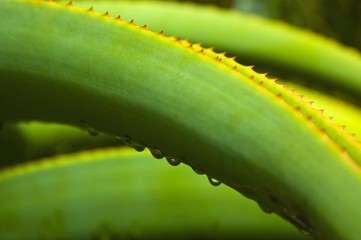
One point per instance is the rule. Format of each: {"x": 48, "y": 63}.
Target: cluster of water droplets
{"x": 158, "y": 154}
{"x": 139, "y": 146}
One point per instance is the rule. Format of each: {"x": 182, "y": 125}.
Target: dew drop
{"x": 214, "y": 181}
{"x": 139, "y": 147}
{"x": 156, "y": 153}
{"x": 172, "y": 161}
{"x": 198, "y": 170}
{"x": 131, "y": 143}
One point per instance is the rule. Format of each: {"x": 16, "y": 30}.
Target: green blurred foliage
{"x": 338, "y": 19}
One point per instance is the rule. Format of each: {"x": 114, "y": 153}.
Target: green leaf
{"x": 63, "y": 64}
{"x": 116, "y": 193}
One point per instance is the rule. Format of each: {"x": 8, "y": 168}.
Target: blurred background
{"x": 338, "y": 19}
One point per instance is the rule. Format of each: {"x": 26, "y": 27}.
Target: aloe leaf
{"x": 119, "y": 194}
{"x": 343, "y": 113}
{"x": 251, "y": 38}
{"x": 63, "y": 64}
{"x": 29, "y": 141}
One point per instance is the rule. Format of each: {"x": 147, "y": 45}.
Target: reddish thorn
{"x": 342, "y": 127}
{"x": 132, "y": 22}
{"x": 273, "y": 79}
{"x": 343, "y": 150}
{"x": 118, "y": 18}
{"x": 353, "y": 136}
{"x": 251, "y": 67}
{"x": 198, "y": 45}
{"x": 91, "y": 9}
{"x": 70, "y": 4}
{"x": 185, "y": 41}
{"x": 321, "y": 111}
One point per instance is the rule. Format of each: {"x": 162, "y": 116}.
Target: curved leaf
{"x": 60, "y": 63}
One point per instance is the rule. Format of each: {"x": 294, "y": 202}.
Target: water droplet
{"x": 131, "y": 143}
{"x": 173, "y": 161}
{"x": 156, "y": 153}
{"x": 213, "y": 181}
{"x": 92, "y": 132}
{"x": 139, "y": 147}
{"x": 198, "y": 170}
